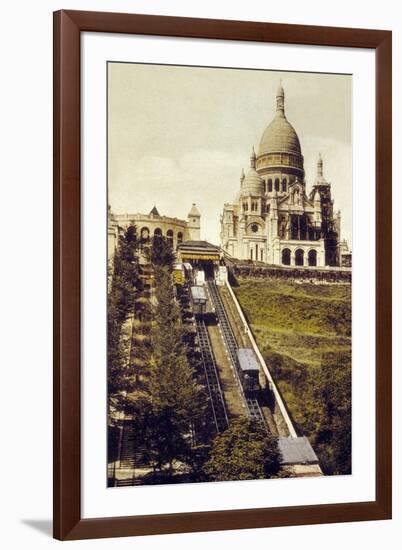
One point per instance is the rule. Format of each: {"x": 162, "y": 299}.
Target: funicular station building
{"x": 175, "y": 230}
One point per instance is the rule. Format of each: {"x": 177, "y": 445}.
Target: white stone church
{"x": 273, "y": 219}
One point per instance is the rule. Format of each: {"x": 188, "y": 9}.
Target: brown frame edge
{"x": 68, "y": 25}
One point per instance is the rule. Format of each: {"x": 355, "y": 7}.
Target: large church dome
{"x": 279, "y": 136}
{"x": 280, "y": 150}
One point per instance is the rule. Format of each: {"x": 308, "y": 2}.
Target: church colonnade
{"x": 300, "y": 256}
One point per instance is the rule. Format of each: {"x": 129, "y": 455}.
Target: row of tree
{"x": 170, "y": 413}
{"x": 177, "y": 401}
{"x": 125, "y": 284}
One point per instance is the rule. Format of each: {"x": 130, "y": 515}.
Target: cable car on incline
{"x": 249, "y": 370}
{"x": 199, "y": 300}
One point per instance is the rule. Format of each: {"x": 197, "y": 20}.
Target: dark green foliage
{"x": 161, "y": 253}
{"x": 124, "y": 285}
{"x": 148, "y": 371}
{"x": 166, "y": 439}
{"x": 243, "y": 452}
{"x": 177, "y": 401}
{"x": 303, "y": 331}
{"x": 125, "y": 279}
{"x": 332, "y": 392}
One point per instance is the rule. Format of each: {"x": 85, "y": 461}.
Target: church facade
{"x": 274, "y": 219}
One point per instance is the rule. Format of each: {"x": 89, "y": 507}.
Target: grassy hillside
{"x": 304, "y": 333}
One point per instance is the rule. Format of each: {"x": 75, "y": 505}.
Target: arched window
{"x": 277, "y": 184}
{"x": 284, "y": 185}
{"x": 299, "y": 257}
{"x": 169, "y": 236}
{"x": 144, "y": 234}
{"x": 158, "y": 232}
{"x": 312, "y": 258}
{"x": 286, "y": 256}
{"x": 269, "y": 186}
{"x": 179, "y": 237}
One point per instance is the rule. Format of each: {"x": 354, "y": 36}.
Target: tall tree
{"x": 161, "y": 253}
{"x": 125, "y": 279}
{"x": 177, "y": 400}
{"x": 123, "y": 290}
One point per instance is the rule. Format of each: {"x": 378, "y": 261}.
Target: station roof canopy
{"x": 247, "y": 359}
{"x": 199, "y": 250}
{"x": 297, "y": 450}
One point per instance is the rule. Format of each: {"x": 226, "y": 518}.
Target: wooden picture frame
{"x": 68, "y": 25}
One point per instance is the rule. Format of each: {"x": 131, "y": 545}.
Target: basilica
{"x": 274, "y": 219}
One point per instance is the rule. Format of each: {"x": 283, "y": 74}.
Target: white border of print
{"x": 99, "y": 501}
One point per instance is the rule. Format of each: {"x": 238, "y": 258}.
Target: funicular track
{"x": 253, "y": 406}
{"x": 211, "y": 374}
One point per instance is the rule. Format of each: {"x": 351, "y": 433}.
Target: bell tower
{"x": 194, "y": 223}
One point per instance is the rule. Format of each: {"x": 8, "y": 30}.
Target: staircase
{"x": 132, "y": 456}
{"x": 130, "y": 482}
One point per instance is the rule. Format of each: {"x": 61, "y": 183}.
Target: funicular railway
{"x": 205, "y": 261}
{"x": 196, "y": 296}
{"x": 253, "y": 406}
{"x": 230, "y": 361}
{"x": 228, "y": 337}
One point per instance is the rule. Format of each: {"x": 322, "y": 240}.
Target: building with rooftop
{"x": 274, "y": 218}
{"x": 153, "y": 224}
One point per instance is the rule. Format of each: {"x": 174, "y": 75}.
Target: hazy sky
{"x": 179, "y": 135}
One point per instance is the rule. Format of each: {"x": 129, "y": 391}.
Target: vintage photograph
{"x": 229, "y": 249}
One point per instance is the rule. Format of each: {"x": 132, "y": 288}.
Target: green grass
{"x": 304, "y": 333}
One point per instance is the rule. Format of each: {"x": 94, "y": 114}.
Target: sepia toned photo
{"x": 229, "y": 221}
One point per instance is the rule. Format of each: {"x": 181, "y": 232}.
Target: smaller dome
{"x": 253, "y": 184}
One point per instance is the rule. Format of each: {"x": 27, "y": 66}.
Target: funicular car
{"x": 249, "y": 370}
{"x": 198, "y": 300}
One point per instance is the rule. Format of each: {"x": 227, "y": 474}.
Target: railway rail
{"x": 253, "y": 405}
{"x": 211, "y": 375}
